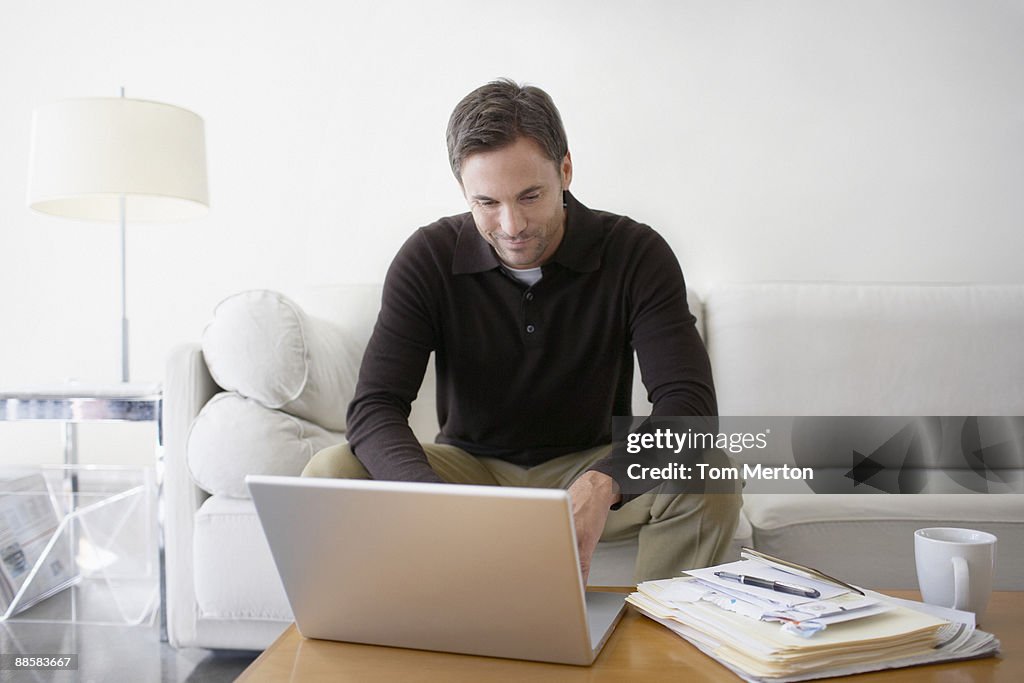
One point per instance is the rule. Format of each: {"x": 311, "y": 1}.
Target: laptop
{"x": 482, "y": 570}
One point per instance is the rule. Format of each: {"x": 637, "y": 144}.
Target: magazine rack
{"x": 79, "y": 543}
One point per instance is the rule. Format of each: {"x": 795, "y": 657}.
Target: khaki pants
{"x": 675, "y": 531}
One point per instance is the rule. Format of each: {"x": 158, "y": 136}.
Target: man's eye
{"x": 486, "y": 202}
{"x": 531, "y": 197}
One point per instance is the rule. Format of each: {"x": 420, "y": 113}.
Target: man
{"x": 533, "y": 305}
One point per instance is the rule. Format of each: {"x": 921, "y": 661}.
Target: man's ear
{"x": 566, "y": 170}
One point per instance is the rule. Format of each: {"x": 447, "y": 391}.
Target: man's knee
{"x": 724, "y": 506}
{"x": 335, "y": 462}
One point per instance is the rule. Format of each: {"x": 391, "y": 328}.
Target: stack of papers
{"x": 763, "y": 634}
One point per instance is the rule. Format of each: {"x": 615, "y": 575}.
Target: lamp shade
{"x": 88, "y": 153}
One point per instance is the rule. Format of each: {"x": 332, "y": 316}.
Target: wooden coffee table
{"x": 639, "y": 649}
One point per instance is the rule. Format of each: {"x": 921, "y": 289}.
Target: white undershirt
{"x": 528, "y": 276}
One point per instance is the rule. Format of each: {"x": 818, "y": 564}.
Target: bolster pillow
{"x": 262, "y": 345}
{"x": 234, "y": 436}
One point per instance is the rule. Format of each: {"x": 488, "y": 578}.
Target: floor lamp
{"x": 115, "y": 159}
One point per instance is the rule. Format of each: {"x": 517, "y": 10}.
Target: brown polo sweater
{"x": 526, "y": 374}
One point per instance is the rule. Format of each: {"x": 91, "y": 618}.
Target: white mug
{"x": 955, "y": 567}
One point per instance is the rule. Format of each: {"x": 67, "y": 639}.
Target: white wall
{"x": 868, "y": 140}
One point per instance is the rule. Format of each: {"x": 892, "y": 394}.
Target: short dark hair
{"x": 497, "y": 114}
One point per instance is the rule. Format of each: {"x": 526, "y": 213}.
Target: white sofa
{"x": 776, "y": 349}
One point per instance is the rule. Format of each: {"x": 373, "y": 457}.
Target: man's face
{"x": 515, "y": 194}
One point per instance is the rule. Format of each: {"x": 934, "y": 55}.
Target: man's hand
{"x": 592, "y": 495}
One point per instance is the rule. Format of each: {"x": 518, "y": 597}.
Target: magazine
{"x": 35, "y": 557}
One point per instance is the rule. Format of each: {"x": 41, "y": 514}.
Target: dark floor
{"x": 124, "y": 654}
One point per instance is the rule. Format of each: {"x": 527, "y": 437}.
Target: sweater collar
{"x": 580, "y": 249}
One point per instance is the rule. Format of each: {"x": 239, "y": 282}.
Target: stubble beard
{"x": 521, "y": 259}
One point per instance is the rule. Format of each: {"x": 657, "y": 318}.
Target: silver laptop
{"x": 483, "y": 570}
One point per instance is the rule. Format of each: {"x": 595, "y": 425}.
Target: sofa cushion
{"x": 866, "y": 349}
{"x": 262, "y": 345}
{"x": 235, "y": 575}
{"x": 234, "y": 436}
{"x": 869, "y": 539}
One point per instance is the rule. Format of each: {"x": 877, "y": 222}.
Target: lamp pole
{"x": 124, "y": 286}
{"x": 124, "y": 299}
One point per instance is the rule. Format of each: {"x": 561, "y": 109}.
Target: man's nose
{"x": 513, "y": 221}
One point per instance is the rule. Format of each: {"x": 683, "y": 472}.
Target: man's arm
{"x": 673, "y": 362}
{"x": 392, "y": 371}
{"x": 676, "y": 371}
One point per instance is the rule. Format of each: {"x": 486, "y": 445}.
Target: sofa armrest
{"x": 187, "y": 387}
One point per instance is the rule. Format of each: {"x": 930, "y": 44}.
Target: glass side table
{"x": 73, "y": 403}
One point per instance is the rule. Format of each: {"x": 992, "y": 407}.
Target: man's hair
{"x": 497, "y": 114}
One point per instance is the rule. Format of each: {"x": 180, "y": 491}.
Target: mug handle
{"x": 961, "y": 584}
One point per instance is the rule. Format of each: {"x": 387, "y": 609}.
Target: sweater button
{"x": 530, "y": 329}
{"x": 529, "y": 296}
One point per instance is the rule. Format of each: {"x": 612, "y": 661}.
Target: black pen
{"x": 770, "y": 585}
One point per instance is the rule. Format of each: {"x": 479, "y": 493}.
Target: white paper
{"x": 946, "y": 613}
{"x": 761, "y": 571}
